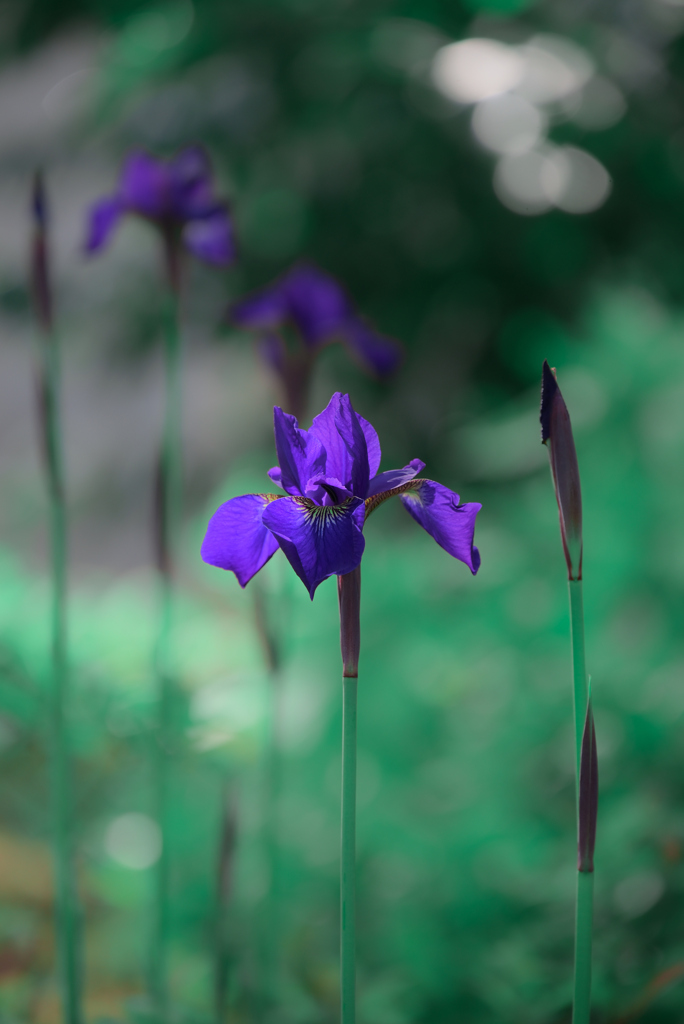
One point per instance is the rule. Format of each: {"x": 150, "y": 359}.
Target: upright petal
{"x": 211, "y": 238}
{"x": 351, "y": 432}
{"x": 316, "y": 303}
{"x": 394, "y": 477}
{"x": 236, "y": 538}
{"x": 145, "y": 186}
{"x": 318, "y": 540}
{"x": 351, "y": 443}
{"x": 378, "y": 353}
{"x": 103, "y": 218}
{"x": 190, "y": 179}
{"x": 301, "y": 455}
{"x": 437, "y": 510}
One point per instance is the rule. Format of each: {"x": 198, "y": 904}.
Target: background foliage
{"x": 332, "y": 143}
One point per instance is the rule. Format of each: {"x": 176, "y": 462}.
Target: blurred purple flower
{"x": 330, "y": 476}
{"x": 176, "y": 195}
{"x": 321, "y": 312}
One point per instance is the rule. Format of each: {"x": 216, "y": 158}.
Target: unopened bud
{"x": 557, "y": 436}
{"x": 588, "y": 795}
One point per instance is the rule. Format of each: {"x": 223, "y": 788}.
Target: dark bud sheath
{"x": 40, "y": 275}
{"x": 588, "y": 795}
{"x": 349, "y": 594}
{"x": 557, "y": 436}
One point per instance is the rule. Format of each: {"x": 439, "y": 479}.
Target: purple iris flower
{"x": 321, "y": 312}
{"x": 177, "y": 195}
{"x": 330, "y": 476}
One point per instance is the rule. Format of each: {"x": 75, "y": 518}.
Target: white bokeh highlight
{"x": 508, "y": 124}
{"x": 476, "y": 69}
{"x": 133, "y": 841}
{"x": 516, "y": 92}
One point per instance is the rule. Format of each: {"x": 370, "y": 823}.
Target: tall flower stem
{"x": 66, "y": 895}
{"x": 585, "y": 878}
{"x": 167, "y": 515}
{"x": 349, "y": 593}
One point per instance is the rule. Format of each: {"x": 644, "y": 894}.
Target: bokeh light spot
{"x": 134, "y": 841}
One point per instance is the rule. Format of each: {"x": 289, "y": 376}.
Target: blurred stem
{"x": 581, "y": 1011}
{"x": 271, "y": 920}
{"x": 585, "y": 880}
{"x": 66, "y": 888}
{"x": 167, "y": 521}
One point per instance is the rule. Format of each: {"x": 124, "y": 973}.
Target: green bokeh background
{"x": 331, "y": 143}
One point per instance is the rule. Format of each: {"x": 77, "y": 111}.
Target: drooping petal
{"x": 190, "y": 179}
{"x": 393, "y": 477}
{"x": 211, "y": 238}
{"x": 378, "y": 353}
{"x": 319, "y": 541}
{"x": 301, "y": 455}
{"x": 350, "y": 443}
{"x": 145, "y": 186}
{"x": 236, "y": 538}
{"x": 317, "y": 303}
{"x": 104, "y": 216}
{"x": 437, "y": 510}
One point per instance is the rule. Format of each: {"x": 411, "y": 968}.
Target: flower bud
{"x": 557, "y": 436}
{"x": 588, "y": 795}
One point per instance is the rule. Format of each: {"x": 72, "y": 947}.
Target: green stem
{"x": 348, "y": 871}
{"x": 271, "y": 919}
{"x": 581, "y": 1011}
{"x": 66, "y": 890}
{"x": 585, "y": 880}
{"x": 168, "y": 514}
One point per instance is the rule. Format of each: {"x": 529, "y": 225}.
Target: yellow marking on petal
{"x": 410, "y": 489}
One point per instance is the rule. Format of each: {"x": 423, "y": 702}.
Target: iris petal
{"x": 104, "y": 216}
{"x": 236, "y": 538}
{"x": 437, "y": 510}
{"x": 211, "y": 238}
{"x": 316, "y": 303}
{"x": 145, "y": 186}
{"x": 301, "y": 455}
{"x": 394, "y": 477}
{"x": 190, "y": 181}
{"x": 264, "y": 310}
{"x": 319, "y": 541}
{"x": 351, "y": 444}
{"x": 378, "y": 353}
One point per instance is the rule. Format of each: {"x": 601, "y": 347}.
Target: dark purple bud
{"x": 349, "y": 594}
{"x": 40, "y": 276}
{"x": 588, "y": 795}
{"x": 557, "y": 436}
